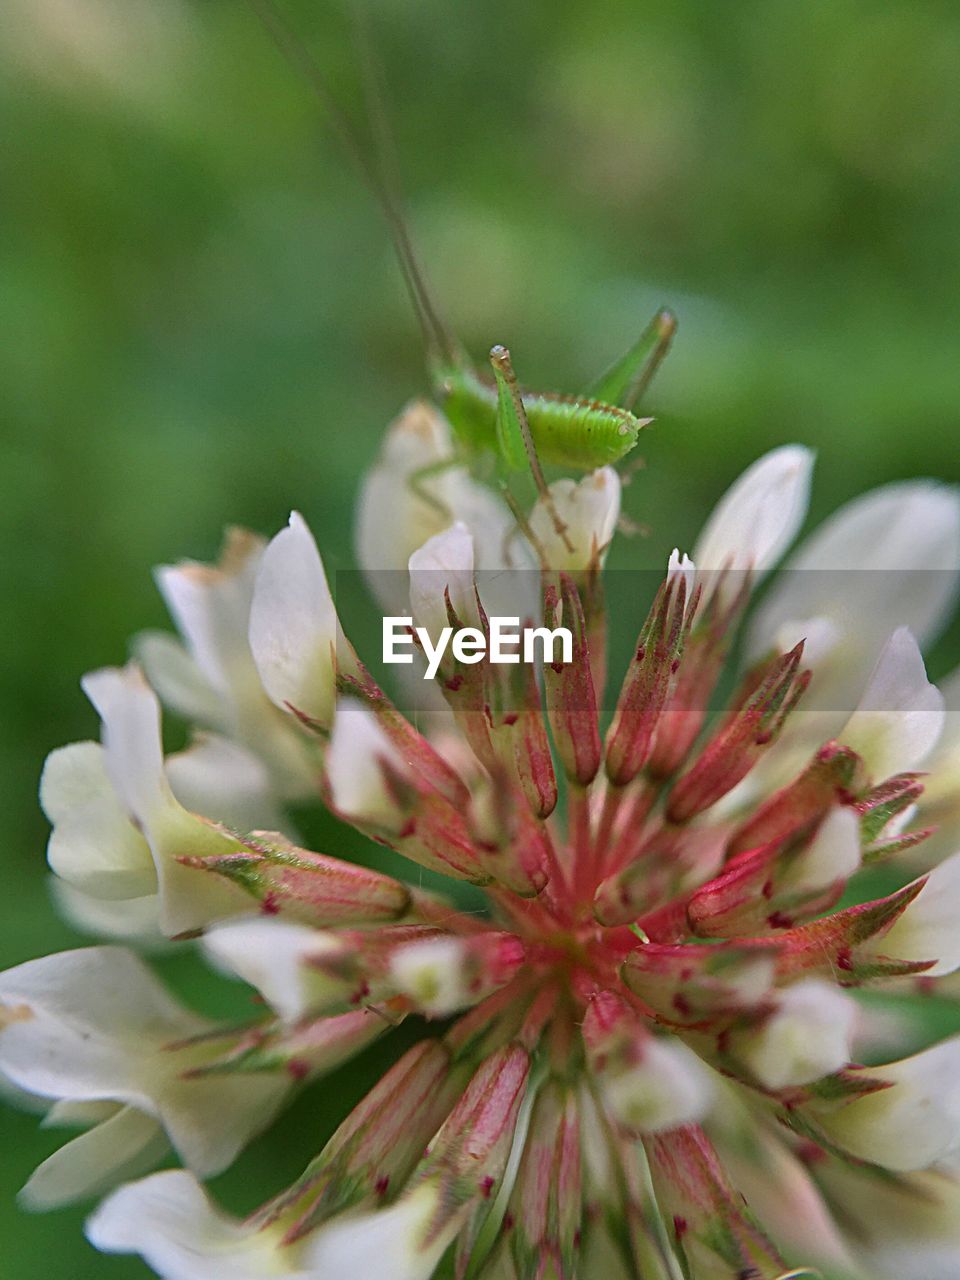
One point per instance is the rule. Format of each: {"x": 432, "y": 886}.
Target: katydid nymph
{"x": 493, "y": 417}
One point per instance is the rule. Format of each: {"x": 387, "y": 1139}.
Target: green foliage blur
{"x": 203, "y": 323}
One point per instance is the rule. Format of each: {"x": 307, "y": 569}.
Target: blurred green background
{"x": 202, "y": 322}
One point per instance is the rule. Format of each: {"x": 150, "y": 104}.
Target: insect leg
{"x": 515, "y": 437}
{"x": 417, "y": 478}
{"x": 522, "y": 526}
{"x": 626, "y": 381}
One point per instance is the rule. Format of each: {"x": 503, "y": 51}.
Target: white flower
{"x": 274, "y": 956}
{"x": 667, "y": 1087}
{"x": 929, "y": 929}
{"x": 294, "y": 632}
{"x": 169, "y": 1220}
{"x": 395, "y": 518}
{"x": 359, "y": 755}
{"x": 807, "y": 1036}
{"x": 759, "y": 515}
{"x": 589, "y": 508}
{"x": 889, "y": 557}
{"x": 95, "y": 1027}
{"x": 214, "y": 777}
{"x": 910, "y": 1125}
{"x": 444, "y": 567}
{"x": 210, "y": 679}
{"x": 171, "y": 1223}
{"x": 119, "y": 831}
{"x": 900, "y": 715}
{"x": 832, "y": 855}
{"x": 433, "y": 974}
{"x": 939, "y": 805}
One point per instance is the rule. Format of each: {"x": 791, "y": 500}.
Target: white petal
{"x": 224, "y": 782}
{"x": 126, "y": 1145}
{"x": 683, "y": 567}
{"x": 670, "y": 1086}
{"x": 444, "y": 564}
{"x": 189, "y": 898}
{"x": 432, "y": 974}
{"x": 590, "y": 509}
{"x": 833, "y": 854}
{"x": 274, "y": 956}
{"x": 93, "y": 845}
{"x": 358, "y": 748}
{"x": 179, "y": 682}
{"x": 192, "y": 899}
{"x": 912, "y": 1124}
{"x": 211, "y": 606}
{"x": 900, "y": 716}
{"x": 210, "y": 1119}
{"x": 397, "y": 1243}
{"x": 759, "y": 515}
{"x": 394, "y": 520}
{"x": 171, "y": 1223}
{"x": 95, "y": 1025}
{"x": 929, "y": 929}
{"x": 293, "y": 624}
{"x": 807, "y": 1037}
{"x": 135, "y": 920}
{"x": 889, "y": 557}
{"x": 83, "y": 1021}
{"x": 130, "y": 714}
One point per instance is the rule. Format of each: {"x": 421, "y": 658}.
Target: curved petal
{"x": 901, "y": 715}
{"x": 913, "y": 1123}
{"x": 169, "y": 1220}
{"x": 589, "y": 508}
{"x": 211, "y": 606}
{"x": 274, "y": 957}
{"x": 759, "y": 515}
{"x": 126, "y": 1145}
{"x": 889, "y": 557}
{"x": 94, "y": 845}
{"x": 293, "y": 624}
{"x": 179, "y": 682}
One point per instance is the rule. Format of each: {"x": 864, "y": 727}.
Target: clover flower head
{"x": 641, "y": 1056}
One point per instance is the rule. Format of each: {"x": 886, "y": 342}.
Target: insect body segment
{"x": 579, "y": 434}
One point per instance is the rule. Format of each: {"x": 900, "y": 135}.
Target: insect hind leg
{"x": 626, "y": 382}
{"x": 515, "y": 438}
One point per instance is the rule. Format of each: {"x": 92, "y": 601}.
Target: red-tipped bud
{"x": 545, "y": 1207}
{"x": 306, "y": 1049}
{"x": 647, "y": 684}
{"x": 688, "y": 985}
{"x": 711, "y": 1231}
{"x": 833, "y": 775}
{"x": 778, "y": 884}
{"x": 714, "y": 622}
{"x": 738, "y": 745}
{"x": 570, "y": 696}
{"x": 306, "y": 886}
{"x": 376, "y": 1147}
{"x": 470, "y": 1152}
{"x": 508, "y": 839}
{"x": 847, "y": 946}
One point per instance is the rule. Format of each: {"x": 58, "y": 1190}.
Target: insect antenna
{"x": 379, "y": 177}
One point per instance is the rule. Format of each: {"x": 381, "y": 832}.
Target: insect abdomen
{"x": 579, "y": 433}
{"x": 567, "y": 432}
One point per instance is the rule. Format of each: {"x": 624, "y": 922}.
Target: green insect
{"x": 491, "y": 415}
